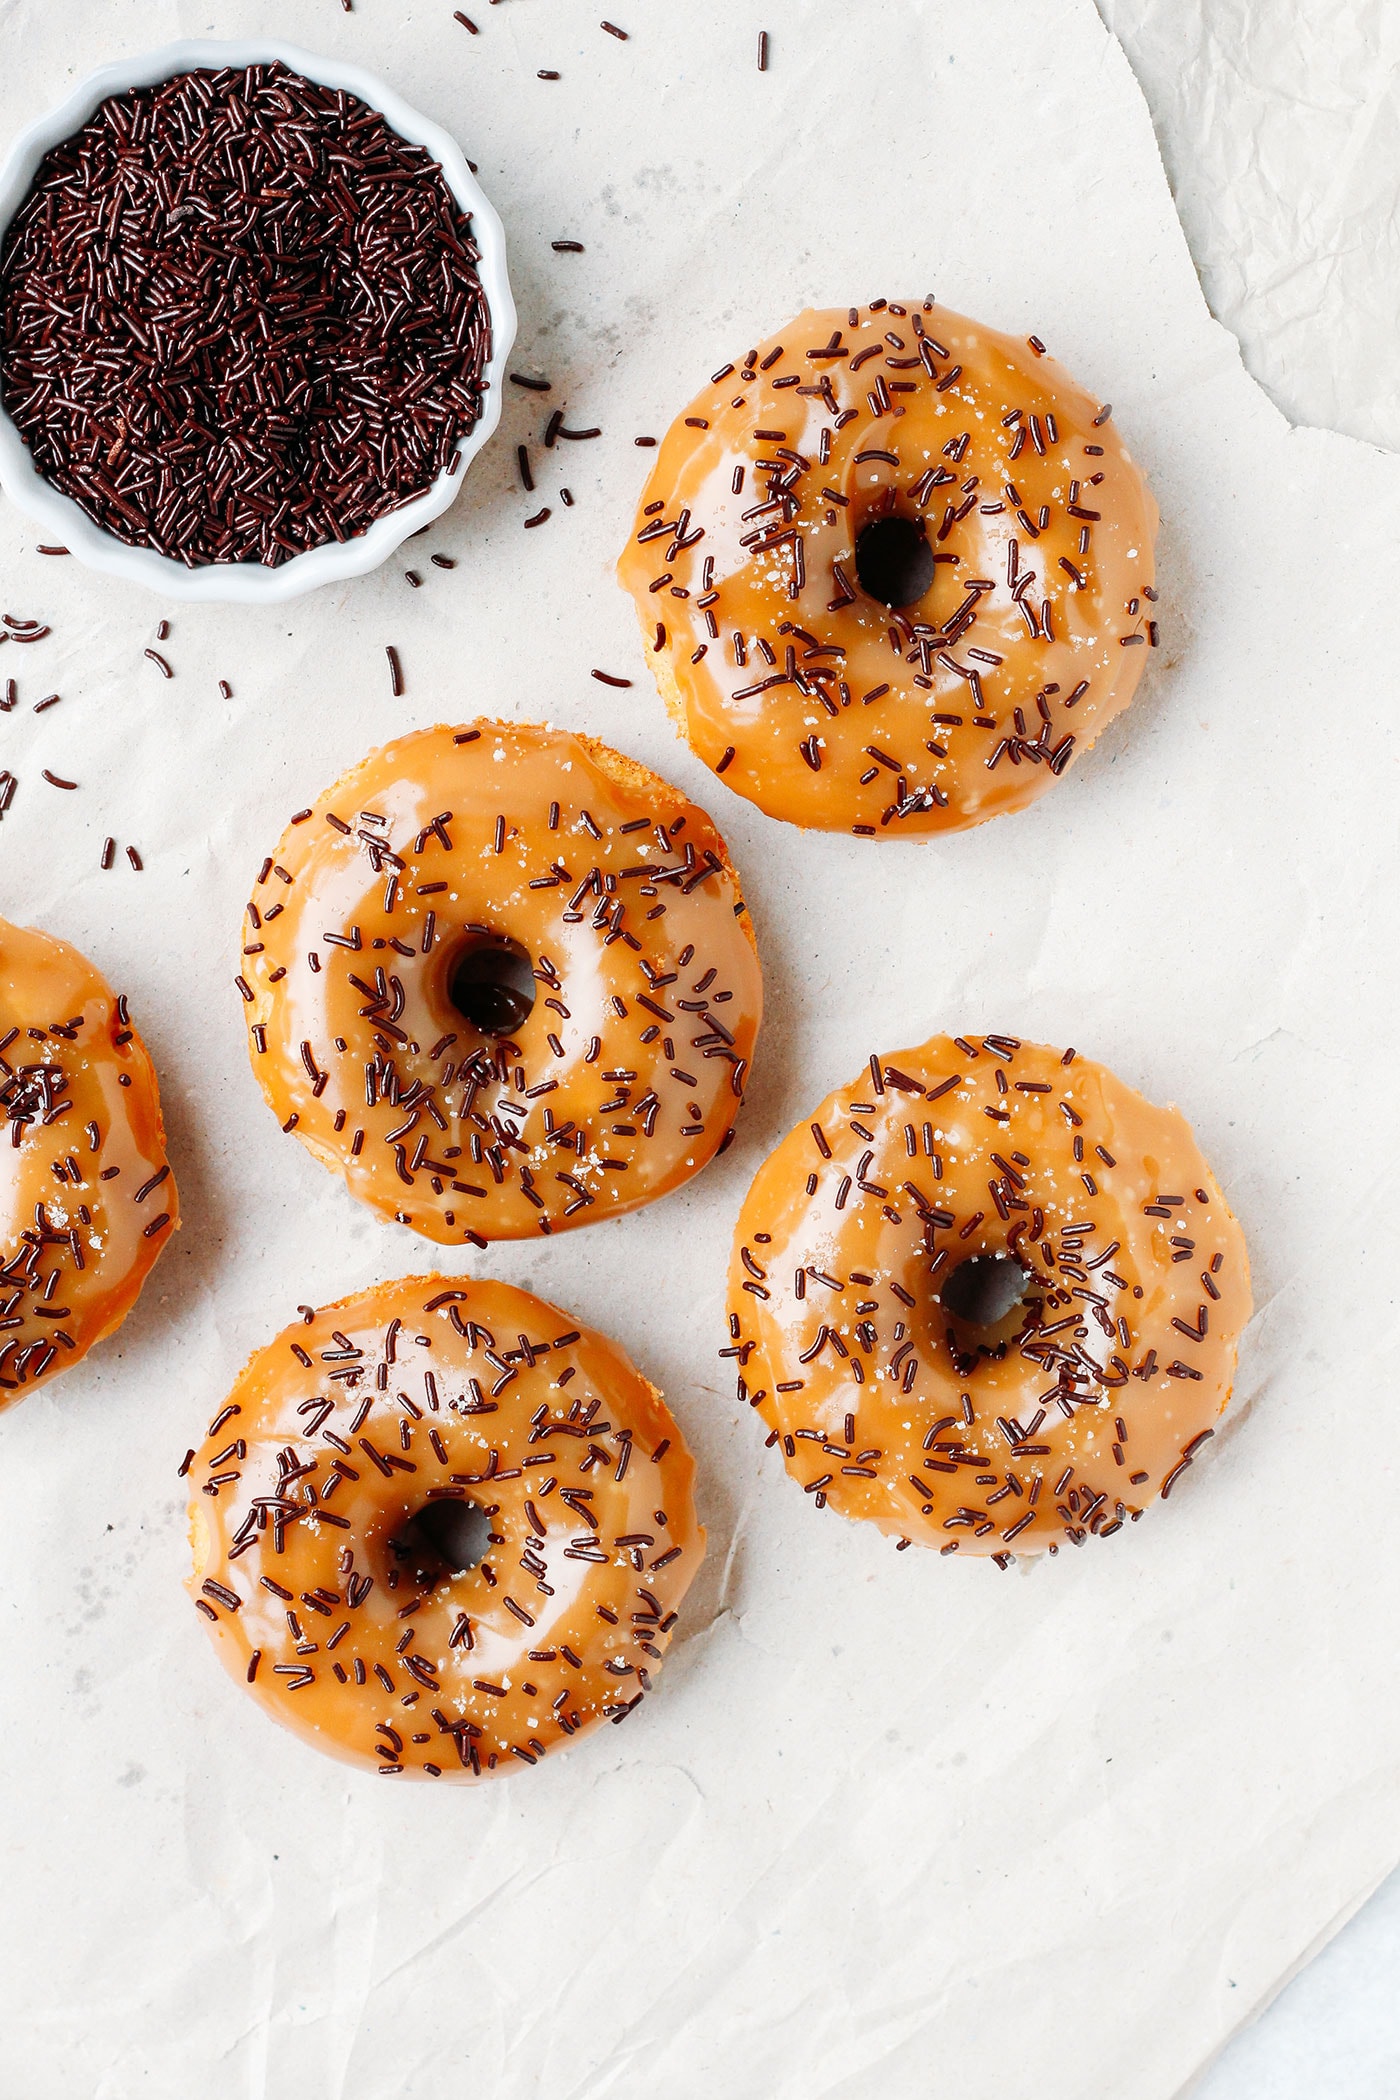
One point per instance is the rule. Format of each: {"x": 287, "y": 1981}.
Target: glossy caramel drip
{"x": 626, "y": 1075}
{"x": 807, "y": 694}
{"x": 1063, "y": 1418}
{"x": 418, "y": 1394}
{"x": 88, "y": 1198}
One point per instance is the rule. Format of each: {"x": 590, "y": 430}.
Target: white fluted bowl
{"x": 253, "y": 583}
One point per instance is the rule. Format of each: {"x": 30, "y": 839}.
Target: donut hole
{"x": 491, "y": 983}
{"x": 894, "y": 561}
{"x": 984, "y": 1300}
{"x": 446, "y": 1537}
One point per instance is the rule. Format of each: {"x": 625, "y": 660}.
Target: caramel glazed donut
{"x": 89, "y": 1198}
{"x": 501, "y": 978}
{"x": 988, "y": 1298}
{"x": 338, "y": 1565}
{"x": 895, "y": 573}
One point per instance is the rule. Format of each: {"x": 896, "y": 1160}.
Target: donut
{"x": 895, "y": 573}
{"x": 438, "y": 1529}
{"x": 987, "y": 1298}
{"x": 90, "y": 1200}
{"x": 502, "y": 979}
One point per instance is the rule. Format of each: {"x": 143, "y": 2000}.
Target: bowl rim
{"x": 334, "y": 560}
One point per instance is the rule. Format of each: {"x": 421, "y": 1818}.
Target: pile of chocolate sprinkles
{"x": 240, "y": 317}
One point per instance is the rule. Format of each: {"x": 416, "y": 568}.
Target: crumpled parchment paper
{"x": 1280, "y": 127}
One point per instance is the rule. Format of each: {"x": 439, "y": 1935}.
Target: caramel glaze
{"x": 627, "y": 1075}
{"x": 826, "y": 707}
{"x": 89, "y": 1200}
{"x": 366, "y": 1643}
{"x": 1065, "y": 1418}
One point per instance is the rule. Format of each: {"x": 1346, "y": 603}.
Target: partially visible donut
{"x": 503, "y": 980}
{"x": 894, "y": 574}
{"x": 335, "y": 1561}
{"x": 988, "y": 1298}
{"x": 88, "y": 1197}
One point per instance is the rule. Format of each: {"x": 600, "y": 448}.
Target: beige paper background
{"x": 892, "y": 1826}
